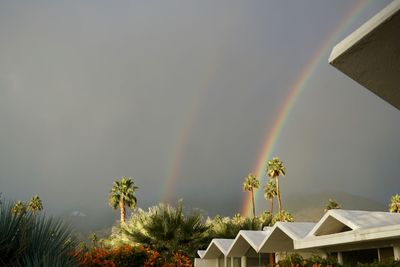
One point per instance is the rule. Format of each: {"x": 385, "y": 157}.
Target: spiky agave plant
{"x": 27, "y": 240}
{"x": 12, "y": 234}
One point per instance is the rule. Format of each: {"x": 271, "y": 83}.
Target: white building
{"x": 350, "y": 235}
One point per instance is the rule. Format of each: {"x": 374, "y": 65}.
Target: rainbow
{"x": 179, "y": 153}
{"x": 320, "y": 57}
{"x": 174, "y": 169}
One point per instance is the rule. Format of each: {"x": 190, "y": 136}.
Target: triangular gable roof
{"x": 246, "y": 239}
{"x": 217, "y": 247}
{"x": 282, "y": 235}
{"x": 201, "y": 253}
{"x": 338, "y": 220}
{"x": 296, "y": 230}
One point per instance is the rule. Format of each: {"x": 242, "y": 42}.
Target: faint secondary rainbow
{"x": 168, "y": 190}
{"x": 179, "y": 152}
{"x": 301, "y": 83}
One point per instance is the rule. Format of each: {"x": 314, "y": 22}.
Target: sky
{"x": 181, "y": 96}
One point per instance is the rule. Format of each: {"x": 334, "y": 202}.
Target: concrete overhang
{"x": 371, "y": 54}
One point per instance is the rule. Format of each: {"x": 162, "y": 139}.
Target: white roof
{"x": 246, "y": 239}
{"x": 336, "y": 219}
{"x": 201, "y": 253}
{"x": 381, "y": 233}
{"x": 217, "y": 247}
{"x": 282, "y": 235}
{"x": 295, "y": 230}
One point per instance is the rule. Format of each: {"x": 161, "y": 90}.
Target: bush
{"x": 126, "y": 255}
{"x": 163, "y": 228}
{"x": 121, "y": 256}
{"x": 296, "y": 260}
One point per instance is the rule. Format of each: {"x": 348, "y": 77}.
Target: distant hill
{"x": 310, "y": 207}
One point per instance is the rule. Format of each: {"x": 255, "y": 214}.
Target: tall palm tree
{"x": 275, "y": 169}
{"x": 19, "y": 208}
{"x": 123, "y": 194}
{"x": 250, "y": 183}
{"x": 394, "y": 205}
{"x": 332, "y": 204}
{"x": 270, "y": 193}
{"x": 35, "y": 204}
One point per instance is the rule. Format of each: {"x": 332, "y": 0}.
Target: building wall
{"x": 206, "y": 263}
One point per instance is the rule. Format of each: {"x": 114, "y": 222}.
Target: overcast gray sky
{"x": 94, "y": 90}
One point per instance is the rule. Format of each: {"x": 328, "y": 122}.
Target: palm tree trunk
{"x": 122, "y": 208}
{"x": 278, "y": 193}
{"x": 254, "y": 206}
{"x": 272, "y": 205}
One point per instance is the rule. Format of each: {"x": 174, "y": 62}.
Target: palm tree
{"x": 35, "y": 204}
{"x": 19, "y": 208}
{"x": 394, "y": 205}
{"x": 332, "y": 204}
{"x": 250, "y": 183}
{"x": 270, "y": 193}
{"x": 275, "y": 168}
{"x": 123, "y": 193}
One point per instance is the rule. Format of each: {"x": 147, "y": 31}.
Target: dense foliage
{"x": 296, "y": 260}
{"x": 126, "y": 256}
{"x": 394, "y": 205}
{"x": 226, "y": 227}
{"x": 163, "y": 228}
{"x": 283, "y": 216}
{"x": 33, "y": 240}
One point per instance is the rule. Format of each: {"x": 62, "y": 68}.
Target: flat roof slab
{"x": 371, "y": 54}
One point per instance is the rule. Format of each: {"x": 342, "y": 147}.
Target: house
{"x": 350, "y": 235}
{"x": 215, "y": 255}
{"x": 355, "y": 236}
{"x": 245, "y": 248}
{"x": 282, "y": 236}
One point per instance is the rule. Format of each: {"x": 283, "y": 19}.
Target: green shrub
{"x": 298, "y": 260}
{"x": 163, "y": 228}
